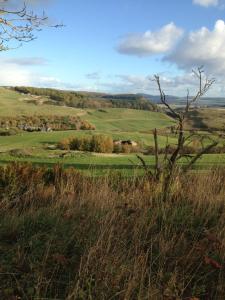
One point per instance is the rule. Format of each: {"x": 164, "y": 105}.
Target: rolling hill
{"x": 119, "y": 123}
{"x": 89, "y": 100}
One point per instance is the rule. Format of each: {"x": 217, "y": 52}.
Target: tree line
{"x": 56, "y": 123}
{"x": 98, "y": 143}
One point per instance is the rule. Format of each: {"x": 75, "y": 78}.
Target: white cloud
{"x": 206, "y": 3}
{"x": 12, "y": 75}
{"x": 25, "y": 61}
{"x": 202, "y": 47}
{"x": 125, "y": 83}
{"x": 172, "y": 85}
{"x": 16, "y": 72}
{"x": 150, "y": 43}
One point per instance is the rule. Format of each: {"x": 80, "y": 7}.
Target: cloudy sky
{"x": 116, "y": 46}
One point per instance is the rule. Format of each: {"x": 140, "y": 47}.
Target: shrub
{"x": 11, "y": 131}
{"x": 53, "y": 121}
{"x": 97, "y": 143}
{"x": 74, "y": 144}
{"x": 86, "y": 126}
{"x": 101, "y": 144}
{"x": 117, "y": 148}
{"x": 64, "y": 144}
{"x": 126, "y": 148}
{"x": 85, "y": 144}
{"x": 20, "y": 152}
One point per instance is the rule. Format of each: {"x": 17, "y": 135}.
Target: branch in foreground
{"x": 19, "y": 26}
{"x": 199, "y": 155}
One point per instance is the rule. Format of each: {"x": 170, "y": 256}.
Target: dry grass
{"x": 67, "y": 236}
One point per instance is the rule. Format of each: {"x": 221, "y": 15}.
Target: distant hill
{"x": 156, "y": 99}
{"x": 205, "y": 101}
{"x": 90, "y": 100}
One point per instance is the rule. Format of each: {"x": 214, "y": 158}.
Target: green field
{"x": 120, "y": 119}
{"x": 40, "y": 140}
{"x": 126, "y": 164}
{"x": 120, "y": 123}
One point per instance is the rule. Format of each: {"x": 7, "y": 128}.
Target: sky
{"x": 117, "y": 46}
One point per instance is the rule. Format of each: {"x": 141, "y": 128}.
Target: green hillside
{"x": 121, "y": 119}
{"x": 110, "y": 119}
{"x": 90, "y": 100}
{"x": 13, "y": 104}
{"x": 118, "y": 123}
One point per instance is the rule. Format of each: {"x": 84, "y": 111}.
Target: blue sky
{"x": 115, "y": 46}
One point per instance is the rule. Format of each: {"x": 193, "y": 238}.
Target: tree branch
{"x": 19, "y": 26}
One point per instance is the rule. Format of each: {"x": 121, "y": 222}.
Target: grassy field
{"x": 41, "y": 140}
{"x": 100, "y": 164}
{"x": 14, "y": 104}
{"x": 119, "y": 119}
{"x": 207, "y": 118}
{"x": 119, "y": 123}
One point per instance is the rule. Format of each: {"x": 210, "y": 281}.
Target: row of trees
{"x": 55, "y": 122}
{"x": 96, "y": 143}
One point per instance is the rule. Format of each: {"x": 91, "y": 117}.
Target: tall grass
{"x": 67, "y": 236}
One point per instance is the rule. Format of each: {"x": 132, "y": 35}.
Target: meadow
{"x": 94, "y": 164}
{"x": 119, "y": 123}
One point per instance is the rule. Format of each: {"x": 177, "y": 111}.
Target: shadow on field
{"x": 197, "y": 120}
{"x": 115, "y": 167}
{"x": 79, "y": 165}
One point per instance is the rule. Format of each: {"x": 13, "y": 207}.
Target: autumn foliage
{"x": 96, "y": 143}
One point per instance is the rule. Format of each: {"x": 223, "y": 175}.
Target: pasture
{"x": 103, "y": 164}
{"x": 119, "y": 123}
{"x": 15, "y": 104}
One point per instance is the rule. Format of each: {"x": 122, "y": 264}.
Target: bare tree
{"x": 19, "y": 26}
{"x": 204, "y": 84}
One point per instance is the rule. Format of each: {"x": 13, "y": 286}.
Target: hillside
{"x": 89, "y": 100}
{"x": 15, "y": 104}
{"x": 107, "y": 118}
{"x": 207, "y": 119}
{"x": 120, "y": 119}
{"x": 118, "y": 123}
